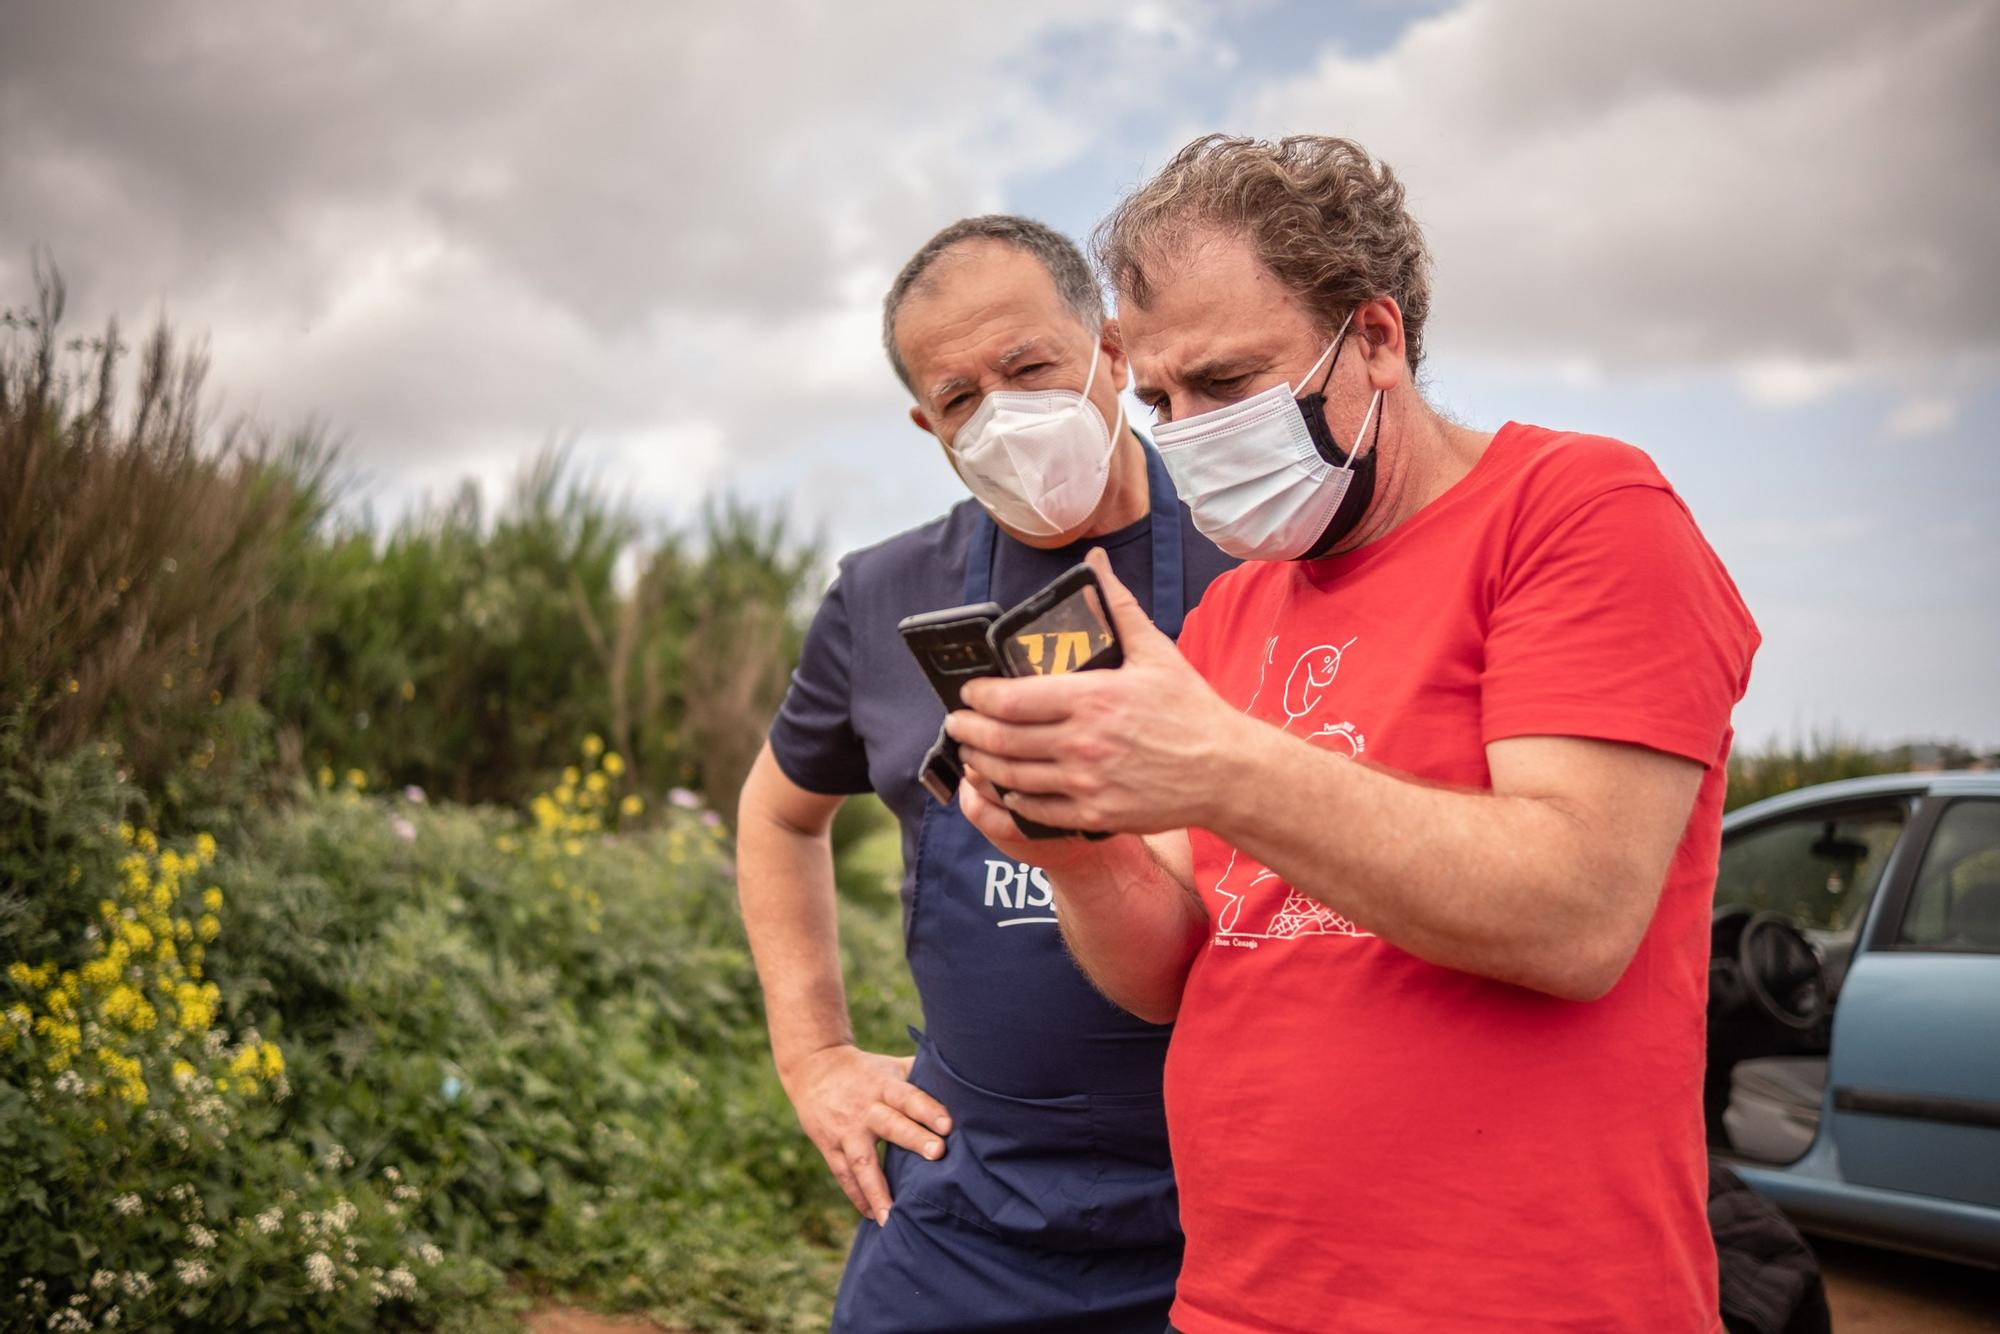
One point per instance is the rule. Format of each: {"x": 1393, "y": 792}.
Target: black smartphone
{"x": 1066, "y": 627}
{"x": 952, "y": 647}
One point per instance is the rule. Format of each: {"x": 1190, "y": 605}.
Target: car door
{"x": 1915, "y": 1068}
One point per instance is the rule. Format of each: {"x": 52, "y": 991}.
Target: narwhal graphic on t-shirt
{"x": 1307, "y": 714}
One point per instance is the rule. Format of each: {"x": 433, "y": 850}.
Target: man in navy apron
{"x": 1026, "y": 1184}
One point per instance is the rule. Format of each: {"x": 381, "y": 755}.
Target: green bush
{"x": 200, "y": 597}
{"x": 534, "y": 1044}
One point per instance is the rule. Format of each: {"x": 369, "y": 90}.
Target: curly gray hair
{"x": 1324, "y": 217}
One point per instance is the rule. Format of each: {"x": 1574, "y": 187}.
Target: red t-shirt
{"x": 1369, "y": 1142}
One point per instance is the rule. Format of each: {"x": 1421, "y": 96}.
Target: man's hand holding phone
{"x": 1136, "y": 750}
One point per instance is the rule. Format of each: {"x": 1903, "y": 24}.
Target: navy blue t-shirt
{"x": 859, "y": 714}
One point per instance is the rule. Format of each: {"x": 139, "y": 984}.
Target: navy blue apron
{"x": 1053, "y": 1208}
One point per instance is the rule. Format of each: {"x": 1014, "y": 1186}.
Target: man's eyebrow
{"x": 1226, "y": 367}
{"x": 1218, "y": 368}
{"x": 1026, "y": 348}
{"x": 945, "y": 388}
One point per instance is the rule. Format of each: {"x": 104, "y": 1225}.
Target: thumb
{"x": 1136, "y": 631}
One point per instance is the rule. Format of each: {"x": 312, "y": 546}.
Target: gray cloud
{"x": 456, "y": 230}
{"x": 1792, "y": 187}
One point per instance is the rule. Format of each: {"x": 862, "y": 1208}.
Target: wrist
{"x": 793, "y": 1064}
{"x": 1232, "y": 767}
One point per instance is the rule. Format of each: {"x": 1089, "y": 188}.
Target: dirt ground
{"x": 550, "y": 1318}
{"x": 1881, "y": 1292}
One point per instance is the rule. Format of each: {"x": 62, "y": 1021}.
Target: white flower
{"x": 430, "y": 1254}
{"x": 127, "y": 1204}
{"x": 191, "y": 1272}
{"x": 270, "y": 1220}
{"x": 102, "y": 1280}
{"x": 201, "y": 1237}
{"x": 70, "y": 1082}
{"x": 391, "y": 1173}
{"x": 319, "y": 1271}
{"x": 137, "y": 1284}
{"x": 335, "y": 1158}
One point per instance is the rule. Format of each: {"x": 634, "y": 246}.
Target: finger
{"x": 980, "y": 805}
{"x": 919, "y": 1106}
{"x": 889, "y": 1124}
{"x": 836, "y": 1163}
{"x": 1059, "y": 811}
{"x": 1020, "y": 775}
{"x": 1136, "y": 631}
{"x": 868, "y": 1176}
{"x": 1022, "y": 699}
{"x": 1024, "y": 741}
{"x": 908, "y": 1063}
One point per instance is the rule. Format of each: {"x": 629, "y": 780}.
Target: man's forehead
{"x": 1210, "y": 300}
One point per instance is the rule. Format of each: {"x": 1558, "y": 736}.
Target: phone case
{"x": 952, "y": 648}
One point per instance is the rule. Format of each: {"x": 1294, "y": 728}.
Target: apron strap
{"x": 1169, "y": 600}
{"x": 1169, "y": 603}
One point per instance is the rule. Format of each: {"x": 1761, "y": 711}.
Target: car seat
{"x": 1774, "y": 1102}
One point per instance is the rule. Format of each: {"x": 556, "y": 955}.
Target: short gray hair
{"x": 1075, "y": 283}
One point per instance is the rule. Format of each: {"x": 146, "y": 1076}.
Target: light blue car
{"x": 1854, "y": 1010}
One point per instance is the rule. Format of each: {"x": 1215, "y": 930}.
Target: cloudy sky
{"x": 1756, "y": 240}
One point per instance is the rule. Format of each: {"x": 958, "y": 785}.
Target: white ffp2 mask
{"x": 1255, "y": 482}
{"x": 1038, "y": 460}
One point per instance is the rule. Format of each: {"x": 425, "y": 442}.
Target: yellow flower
{"x": 632, "y": 805}
{"x": 20, "y": 974}
{"x": 211, "y": 899}
{"x": 596, "y": 783}
{"x": 208, "y": 928}
{"x": 74, "y": 685}
{"x": 120, "y": 1003}
{"x": 182, "y": 1072}
{"x": 573, "y": 846}
{"x": 357, "y": 779}
{"x": 204, "y": 847}
{"x": 125, "y": 831}
{"x": 137, "y": 937}
{"x": 593, "y": 746}
{"x": 148, "y": 841}
{"x": 244, "y": 1062}
{"x": 506, "y": 843}
{"x": 325, "y": 777}
{"x": 614, "y": 764}
{"x": 571, "y": 777}
{"x": 273, "y": 1060}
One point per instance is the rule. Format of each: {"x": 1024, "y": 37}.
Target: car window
{"x": 1956, "y": 904}
{"x": 1819, "y": 870}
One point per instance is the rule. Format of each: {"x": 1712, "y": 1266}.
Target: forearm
{"x": 1131, "y": 924}
{"x": 785, "y": 884}
{"x": 1512, "y": 887}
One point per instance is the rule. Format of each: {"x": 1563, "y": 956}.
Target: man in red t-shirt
{"x": 1430, "y": 804}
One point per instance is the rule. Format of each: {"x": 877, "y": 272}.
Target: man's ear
{"x": 1380, "y": 324}
{"x": 1112, "y": 339}
{"x": 923, "y": 423}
